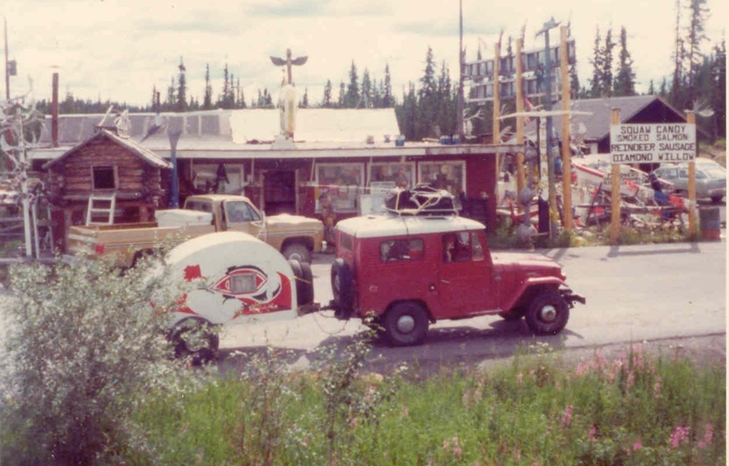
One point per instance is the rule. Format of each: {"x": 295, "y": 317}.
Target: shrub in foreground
{"x": 83, "y": 347}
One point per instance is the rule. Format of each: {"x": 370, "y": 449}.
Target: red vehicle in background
{"x": 410, "y": 268}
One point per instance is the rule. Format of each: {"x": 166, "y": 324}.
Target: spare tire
{"x": 342, "y": 288}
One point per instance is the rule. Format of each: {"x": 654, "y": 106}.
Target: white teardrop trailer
{"x": 234, "y": 279}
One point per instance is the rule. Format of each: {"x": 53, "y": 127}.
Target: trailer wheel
{"x": 195, "y": 338}
{"x": 547, "y": 313}
{"x": 342, "y": 288}
{"x": 304, "y": 282}
{"x": 297, "y": 251}
{"x": 406, "y": 324}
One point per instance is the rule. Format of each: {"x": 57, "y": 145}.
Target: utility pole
{"x": 7, "y": 68}
{"x": 551, "y": 24}
{"x": 459, "y": 107}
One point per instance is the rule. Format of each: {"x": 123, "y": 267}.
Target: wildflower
{"x": 567, "y": 416}
{"x": 457, "y": 451}
{"x": 446, "y": 445}
{"x": 404, "y": 412}
{"x": 464, "y": 400}
{"x": 680, "y": 434}
{"x": 708, "y": 436}
{"x": 519, "y": 378}
{"x": 353, "y": 422}
{"x": 637, "y": 445}
{"x": 631, "y": 380}
{"x": 477, "y": 395}
{"x": 592, "y": 434}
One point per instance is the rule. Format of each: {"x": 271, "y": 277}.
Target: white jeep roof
{"x": 374, "y": 226}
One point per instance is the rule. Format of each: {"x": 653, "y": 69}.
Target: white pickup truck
{"x": 296, "y": 237}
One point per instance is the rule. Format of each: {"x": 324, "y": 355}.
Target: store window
{"x": 448, "y": 175}
{"x": 342, "y": 182}
{"x": 401, "y": 174}
{"x": 217, "y": 178}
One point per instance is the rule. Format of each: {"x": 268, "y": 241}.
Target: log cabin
{"x": 108, "y": 162}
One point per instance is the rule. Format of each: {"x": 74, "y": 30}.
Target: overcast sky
{"x": 119, "y": 50}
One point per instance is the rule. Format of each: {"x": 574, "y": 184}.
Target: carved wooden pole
{"x": 615, "y": 190}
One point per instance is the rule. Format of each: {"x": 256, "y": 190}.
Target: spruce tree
{"x": 678, "y": 58}
{"x": 366, "y": 94}
{"x": 597, "y": 66}
{"x": 326, "y": 101}
{"x": 341, "y": 101}
{"x": 651, "y": 89}
{"x": 607, "y": 64}
{"x": 387, "y": 98}
{"x": 718, "y": 82}
{"x": 694, "y": 37}
{"x": 427, "y": 99}
{"x": 305, "y": 99}
{"x": 182, "y": 89}
{"x": 353, "y": 96}
{"x": 170, "y": 102}
{"x": 625, "y": 78}
{"x": 208, "y": 99}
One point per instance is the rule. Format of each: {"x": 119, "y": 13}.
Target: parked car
{"x": 407, "y": 271}
{"x": 710, "y": 179}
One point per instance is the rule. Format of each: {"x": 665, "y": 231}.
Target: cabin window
{"x": 395, "y": 250}
{"x": 448, "y": 175}
{"x": 104, "y": 177}
{"x": 342, "y": 181}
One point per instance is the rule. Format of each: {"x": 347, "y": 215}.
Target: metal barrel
{"x": 710, "y": 222}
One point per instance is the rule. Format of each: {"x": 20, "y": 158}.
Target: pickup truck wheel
{"x": 547, "y": 314}
{"x": 195, "y": 338}
{"x": 716, "y": 199}
{"x": 342, "y": 288}
{"x": 297, "y": 251}
{"x": 406, "y": 324}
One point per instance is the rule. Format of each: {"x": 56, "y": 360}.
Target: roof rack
{"x": 423, "y": 200}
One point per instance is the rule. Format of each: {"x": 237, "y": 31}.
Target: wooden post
{"x": 615, "y": 190}
{"x": 519, "y": 120}
{"x": 566, "y": 152}
{"x": 693, "y": 231}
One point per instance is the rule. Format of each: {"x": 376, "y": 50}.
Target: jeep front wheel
{"x": 406, "y": 324}
{"x": 547, "y": 314}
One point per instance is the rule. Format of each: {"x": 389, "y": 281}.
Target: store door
{"x": 280, "y": 192}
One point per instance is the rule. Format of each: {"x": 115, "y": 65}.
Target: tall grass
{"x": 632, "y": 409}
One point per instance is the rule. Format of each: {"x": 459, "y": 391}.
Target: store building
{"x": 355, "y": 155}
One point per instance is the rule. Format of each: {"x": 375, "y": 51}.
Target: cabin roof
{"x": 135, "y": 148}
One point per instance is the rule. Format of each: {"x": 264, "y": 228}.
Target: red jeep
{"x": 407, "y": 271}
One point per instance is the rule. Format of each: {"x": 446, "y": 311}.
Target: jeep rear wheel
{"x": 547, "y": 314}
{"x": 406, "y": 324}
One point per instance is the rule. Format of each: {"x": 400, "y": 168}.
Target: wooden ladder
{"x": 101, "y": 204}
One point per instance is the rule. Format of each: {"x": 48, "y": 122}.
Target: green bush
{"x": 83, "y": 346}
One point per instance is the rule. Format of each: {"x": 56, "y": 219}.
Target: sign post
{"x": 615, "y": 188}
{"x": 691, "y": 120}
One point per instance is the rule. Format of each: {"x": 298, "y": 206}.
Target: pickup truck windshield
{"x": 239, "y": 211}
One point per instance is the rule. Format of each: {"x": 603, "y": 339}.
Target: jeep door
{"x": 465, "y": 284}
